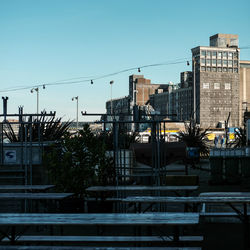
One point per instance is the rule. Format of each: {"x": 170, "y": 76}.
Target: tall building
{"x": 216, "y": 77}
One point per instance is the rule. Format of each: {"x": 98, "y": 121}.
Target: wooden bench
{"x": 92, "y": 248}
{"x": 154, "y": 240}
{"x": 174, "y": 220}
{"x": 32, "y": 188}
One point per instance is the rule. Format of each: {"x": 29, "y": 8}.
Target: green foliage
{"x": 42, "y": 128}
{"x": 79, "y": 162}
{"x": 240, "y": 138}
{"x": 193, "y": 136}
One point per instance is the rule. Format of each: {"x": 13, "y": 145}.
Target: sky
{"x": 44, "y": 42}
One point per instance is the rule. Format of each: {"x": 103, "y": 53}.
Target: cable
{"x": 93, "y": 78}
{"x": 67, "y": 81}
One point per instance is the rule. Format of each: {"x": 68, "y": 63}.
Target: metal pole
{"x": 77, "y": 113}
{"x": 111, "y": 108}
{"x": 76, "y": 98}
{"x": 37, "y": 100}
{"x": 111, "y": 101}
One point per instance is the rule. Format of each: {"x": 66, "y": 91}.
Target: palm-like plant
{"x": 240, "y": 138}
{"x": 194, "y": 136}
{"x": 42, "y": 128}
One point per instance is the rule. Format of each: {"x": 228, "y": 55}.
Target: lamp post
{"x": 76, "y": 98}
{"x": 37, "y": 97}
{"x": 111, "y": 101}
{"x": 134, "y": 97}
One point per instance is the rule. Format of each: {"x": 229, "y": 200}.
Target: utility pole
{"x": 5, "y": 99}
{"x": 111, "y": 101}
{"x": 37, "y": 98}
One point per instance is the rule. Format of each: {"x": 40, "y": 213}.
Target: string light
{"x": 83, "y": 79}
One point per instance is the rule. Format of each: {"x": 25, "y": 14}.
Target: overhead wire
{"x": 91, "y": 79}
{"x": 83, "y": 79}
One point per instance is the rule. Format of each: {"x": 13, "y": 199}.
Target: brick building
{"x": 220, "y": 81}
{"x": 177, "y": 100}
{"x": 140, "y": 89}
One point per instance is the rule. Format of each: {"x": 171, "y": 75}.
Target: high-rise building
{"x": 216, "y": 77}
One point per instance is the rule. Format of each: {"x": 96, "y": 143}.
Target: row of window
{"x": 219, "y": 54}
{"x": 216, "y": 85}
{"x": 219, "y": 62}
{"x": 219, "y": 69}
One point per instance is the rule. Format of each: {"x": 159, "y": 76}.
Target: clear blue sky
{"x": 44, "y": 41}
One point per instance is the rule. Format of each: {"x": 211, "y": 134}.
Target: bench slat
{"x": 45, "y": 238}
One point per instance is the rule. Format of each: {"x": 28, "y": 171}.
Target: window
{"x": 214, "y": 53}
{"x": 224, "y": 62}
{"x": 203, "y": 68}
{"x": 224, "y": 54}
{"x": 216, "y": 85}
{"x": 230, "y": 70}
{"x": 235, "y": 63}
{"x": 213, "y": 69}
{"x": 224, "y": 69}
{"x": 208, "y": 68}
{"x": 235, "y": 55}
{"x": 230, "y": 55}
{"x": 205, "y": 85}
{"x": 235, "y": 70}
{"x": 219, "y": 62}
{"x": 208, "y": 53}
{"x": 203, "y": 53}
{"x": 219, "y": 54}
{"x": 203, "y": 61}
{"x": 227, "y": 86}
{"x": 230, "y": 63}
{"x": 208, "y": 61}
{"x": 213, "y": 61}
{"x": 219, "y": 69}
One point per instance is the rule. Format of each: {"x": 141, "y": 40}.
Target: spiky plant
{"x": 240, "y": 138}
{"x": 41, "y": 129}
{"x": 194, "y": 136}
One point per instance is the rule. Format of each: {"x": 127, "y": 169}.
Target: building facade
{"x": 134, "y": 106}
{"x": 141, "y": 88}
{"x": 176, "y": 100}
{"x": 216, "y": 77}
